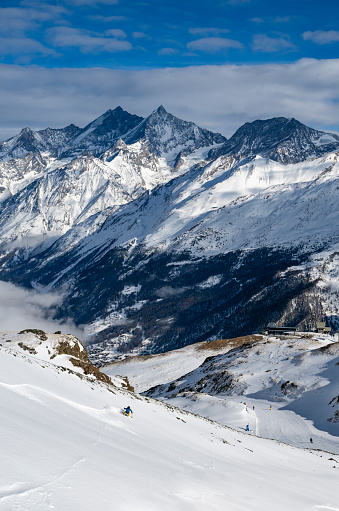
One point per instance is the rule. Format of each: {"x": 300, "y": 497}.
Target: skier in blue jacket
{"x": 128, "y": 411}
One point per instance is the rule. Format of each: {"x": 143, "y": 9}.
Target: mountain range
{"x": 159, "y": 233}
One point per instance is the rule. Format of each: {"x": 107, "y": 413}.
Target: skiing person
{"x": 128, "y": 411}
{"x": 311, "y": 440}
{"x": 247, "y": 427}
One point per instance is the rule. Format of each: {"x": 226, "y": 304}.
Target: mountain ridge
{"x": 165, "y": 240}
{"x": 280, "y": 139}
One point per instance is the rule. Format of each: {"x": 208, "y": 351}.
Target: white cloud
{"x": 322, "y": 36}
{"x": 237, "y": 2}
{"x": 220, "y": 98}
{"x": 107, "y": 19}
{"x": 86, "y": 41}
{"x": 24, "y": 47}
{"x": 257, "y": 20}
{"x": 266, "y": 44}
{"x": 282, "y": 19}
{"x": 168, "y": 51}
{"x": 116, "y": 32}
{"x": 271, "y": 19}
{"x": 168, "y": 291}
{"x": 16, "y": 20}
{"x": 22, "y": 308}
{"x": 208, "y": 31}
{"x": 92, "y": 3}
{"x": 139, "y": 35}
{"x": 213, "y": 44}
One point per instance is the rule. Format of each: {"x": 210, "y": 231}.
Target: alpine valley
{"x": 160, "y": 234}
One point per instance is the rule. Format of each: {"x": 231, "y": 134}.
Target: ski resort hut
{"x": 321, "y": 325}
{"x": 284, "y": 330}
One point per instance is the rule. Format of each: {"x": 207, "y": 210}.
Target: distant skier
{"x": 127, "y": 411}
{"x": 247, "y": 427}
{"x": 270, "y": 407}
{"x": 311, "y": 440}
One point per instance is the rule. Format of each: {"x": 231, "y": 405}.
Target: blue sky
{"x": 128, "y": 46}
{"x": 152, "y": 34}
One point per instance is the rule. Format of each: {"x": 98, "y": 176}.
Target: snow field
{"x": 306, "y": 366}
{"x": 66, "y": 446}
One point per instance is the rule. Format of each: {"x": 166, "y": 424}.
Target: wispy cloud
{"x": 168, "y": 291}
{"x": 206, "y": 31}
{"x": 237, "y": 2}
{"x": 24, "y": 48}
{"x": 16, "y": 21}
{"x": 18, "y": 27}
{"x": 321, "y": 36}
{"x": 116, "y": 32}
{"x": 273, "y": 19}
{"x": 92, "y": 3}
{"x": 22, "y": 308}
{"x": 257, "y": 20}
{"x": 266, "y": 44}
{"x": 168, "y": 51}
{"x": 283, "y": 19}
{"x": 213, "y": 44}
{"x": 107, "y": 19}
{"x": 140, "y": 35}
{"x": 86, "y": 41}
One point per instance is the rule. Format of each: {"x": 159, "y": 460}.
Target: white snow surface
{"x": 297, "y": 377}
{"x": 66, "y": 446}
{"x": 150, "y": 370}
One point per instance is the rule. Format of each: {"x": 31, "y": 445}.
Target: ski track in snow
{"x": 162, "y": 459}
{"x": 36, "y": 493}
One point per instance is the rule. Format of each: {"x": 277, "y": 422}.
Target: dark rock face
{"x": 280, "y": 139}
{"x": 102, "y": 133}
{"x": 185, "y": 313}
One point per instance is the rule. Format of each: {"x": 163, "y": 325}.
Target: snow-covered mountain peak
{"x": 280, "y": 139}
{"x": 20, "y": 145}
{"x": 114, "y": 150}
{"x": 160, "y": 111}
{"x": 167, "y": 136}
{"x": 100, "y": 134}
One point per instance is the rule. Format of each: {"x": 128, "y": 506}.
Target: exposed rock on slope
{"x": 63, "y": 350}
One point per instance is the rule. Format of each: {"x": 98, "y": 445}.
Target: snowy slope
{"x": 149, "y": 371}
{"x": 208, "y": 213}
{"x": 47, "y": 193}
{"x": 236, "y": 383}
{"x": 65, "y": 445}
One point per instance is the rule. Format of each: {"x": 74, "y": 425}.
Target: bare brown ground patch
{"x": 216, "y": 345}
{"x": 219, "y": 344}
